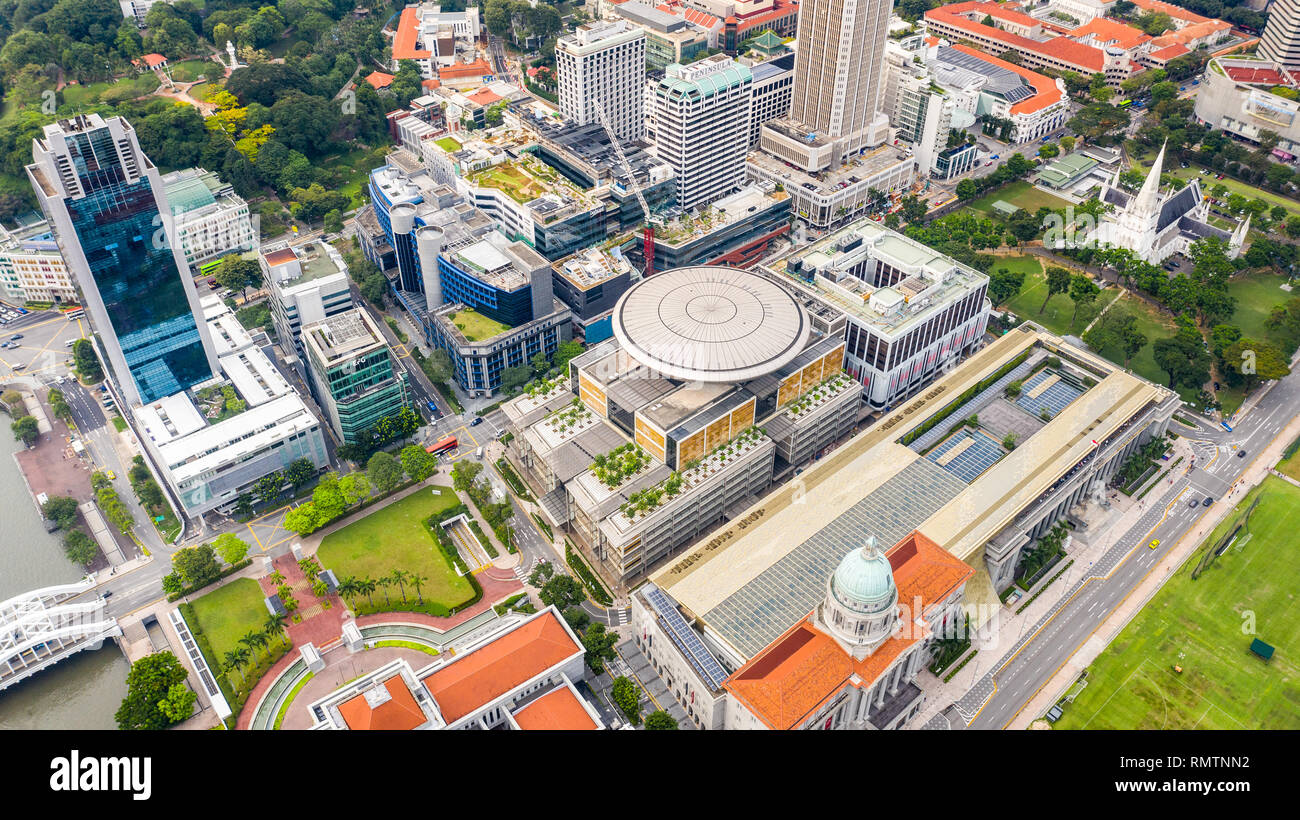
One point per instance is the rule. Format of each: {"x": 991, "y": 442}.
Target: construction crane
{"x": 650, "y": 219}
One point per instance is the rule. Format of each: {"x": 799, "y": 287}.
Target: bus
{"x": 210, "y": 268}
{"x": 1124, "y": 103}
{"x": 74, "y": 315}
{"x": 444, "y": 444}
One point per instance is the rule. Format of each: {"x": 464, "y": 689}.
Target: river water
{"x": 85, "y": 690}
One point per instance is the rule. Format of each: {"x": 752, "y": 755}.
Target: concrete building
{"x": 32, "y": 268}
{"x": 921, "y": 113}
{"x": 355, "y": 378}
{"x": 661, "y": 432}
{"x": 517, "y": 674}
{"x": 590, "y": 283}
{"x": 701, "y": 117}
{"x": 601, "y": 67}
{"x": 773, "y": 90}
{"x": 907, "y": 313}
{"x": 986, "y": 86}
{"x": 213, "y": 444}
{"x": 1156, "y": 225}
{"x": 1237, "y": 97}
{"x": 777, "y": 619}
{"x": 668, "y": 39}
{"x": 210, "y": 219}
{"x": 109, "y": 209}
{"x": 306, "y": 287}
{"x": 736, "y": 230}
{"x": 436, "y": 40}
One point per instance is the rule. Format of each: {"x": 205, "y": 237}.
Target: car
{"x": 476, "y": 421}
{"x": 1207, "y": 502}
{"x": 1155, "y": 543}
{"x": 112, "y": 476}
{"x": 103, "y": 388}
{"x": 1193, "y": 503}
{"x": 15, "y": 337}
{"x": 1241, "y": 454}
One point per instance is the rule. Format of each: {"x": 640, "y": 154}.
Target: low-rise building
{"x": 736, "y": 230}
{"x": 213, "y": 443}
{"x": 32, "y": 267}
{"x": 306, "y": 286}
{"x": 208, "y": 218}
{"x": 436, "y": 40}
{"x": 352, "y": 369}
{"x": 1237, "y": 97}
{"x": 986, "y": 86}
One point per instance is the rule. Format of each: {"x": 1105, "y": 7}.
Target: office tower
{"x": 604, "y": 62}
{"x": 109, "y": 209}
{"x": 357, "y": 381}
{"x": 1281, "y": 40}
{"x": 701, "y": 118}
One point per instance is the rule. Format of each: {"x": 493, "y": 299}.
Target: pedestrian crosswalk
{"x": 622, "y": 616}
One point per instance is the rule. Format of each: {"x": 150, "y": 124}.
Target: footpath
{"x": 1109, "y": 629}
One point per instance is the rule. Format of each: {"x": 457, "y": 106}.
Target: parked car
{"x": 1193, "y": 503}
{"x": 1207, "y": 502}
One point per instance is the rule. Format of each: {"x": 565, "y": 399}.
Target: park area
{"x": 228, "y": 613}
{"x": 1021, "y": 194}
{"x": 513, "y": 180}
{"x": 1059, "y": 310}
{"x": 476, "y": 327}
{"x": 396, "y": 537}
{"x": 1201, "y": 625}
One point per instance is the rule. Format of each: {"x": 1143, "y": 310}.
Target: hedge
{"x": 513, "y": 480}
{"x": 546, "y": 528}
{"x": 585, "y": 574}
{"x": 957, "y": 403}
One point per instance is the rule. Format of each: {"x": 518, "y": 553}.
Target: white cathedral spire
{"x": 1148, "y": 199}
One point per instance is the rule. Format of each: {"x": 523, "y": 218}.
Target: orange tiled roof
{"x": 153, "y": 60}
{"x": 430, "y": 84}
{"x": 485, "y": 674}
{"x": 558, "y": 709}
{"x": 1045, "y": 91}
{"x": 1176, "y": 12}
{"x": 280, "y": 257}
{"x": 1060, "y": 48}
{"x": 379, "y": 80}
{"x": 802, "y": 669}
{"x": 1108, "y": 32}
{"x": 408, "y": 26}
{"x": 1170, "y": 52}
{"x": 399, "y": 713}
{"x": 484, "y": 96}
{"x": 475, "y": 69}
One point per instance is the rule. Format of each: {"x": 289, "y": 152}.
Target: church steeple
{"x": 1148, "y": 199}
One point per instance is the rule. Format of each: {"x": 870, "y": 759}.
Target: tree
{"x": 1256, "y": 361}
{"x": 355, "y": 488}
{"x": 562, "y": 592}
{"x": 1049, "y": 150}
{"x": 196, "y": 565}
{"x": 303, "y": 519}
{"x": 230, "y": 547}
{"x": 178, "y": 703}
{"x": 1058, "y": 281}
{"x": 384, "y": 472}
{"x": 437, "y": 365}
{"x": 62, "y": 510}
{"x": 148, "y": 684}
{"x": 1083, "y": 291}
{"x": 660, "y": 720}
{"x": 464, "y": 473}
{"x": 1183, "y": 358}
{"x": 80, "y": 548}
{"x": 599, "y": 644}
{"x": 577, "y": 618}
{"x": 299, "y": 472}
{"x": 1004, "y": 285}
{"x": 417, "y": 463}
{"x": 513, "y": 378}
{"x": 627, "y": 696}
{"x": 1067, "y": 143}
{"x": 86, "y": 362}
{"x": 333, "y": 221}
{"x": 967, "y": 190}
{"x": 565, "y": 352}
{"x": 540, "y": 363}
{"x": 25, "y": 430}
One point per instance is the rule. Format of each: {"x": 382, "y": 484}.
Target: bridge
{"x": 40, "y": 628}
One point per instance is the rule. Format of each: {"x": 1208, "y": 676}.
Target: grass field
{"x": 1056, "y": 316}
{"x": 1199, "y": 625}
{"x": 187, "y": 71}
{"x": 1208, "y": 181}
{"x": 1291, "y": 464}
{"x": 1257, "y": 294}
{"x": 476, "y": 326}
{"x": 1021, "y": 194}
{"x": 447, "y": 144}
{"x": 516, "y": 183}
{"x": 230, "y": 612}
{"x": 395, "y": 537}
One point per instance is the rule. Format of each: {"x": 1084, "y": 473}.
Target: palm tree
{"x": 255, "y": 641}
{"x": 400, "y": 577}
{"x": 384, "y": 583}
{"x": 417, "y": 579}
{"x": 368, "y": 586}
{"x": 274, "y": 626}
{"x": 348, "y": 587}
{"x": 234, "y": 661}
{"x": 277, "y": 578}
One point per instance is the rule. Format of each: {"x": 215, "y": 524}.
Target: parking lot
{"x": 44, "y": 346}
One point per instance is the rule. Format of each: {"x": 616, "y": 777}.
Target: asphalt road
{"x": 1032, "y": 662}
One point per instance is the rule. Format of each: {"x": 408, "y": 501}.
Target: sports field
{"x": 1201, "y": 626}
{"x": 1021, "y": 194}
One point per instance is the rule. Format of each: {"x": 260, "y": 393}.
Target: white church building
{"x": 1158, "y": 225}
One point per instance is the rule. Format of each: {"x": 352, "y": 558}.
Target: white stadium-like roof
{"x": 710, "y": 324}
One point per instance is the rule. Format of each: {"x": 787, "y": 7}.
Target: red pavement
{"x": 328, "y": 624}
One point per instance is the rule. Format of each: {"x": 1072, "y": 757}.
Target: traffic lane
{"x": 45, "y": 344}
{"x": 86, "y": 411}
{"x": 1060, "y": 638}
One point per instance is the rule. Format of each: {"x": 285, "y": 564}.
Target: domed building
{"x": 852, "y": 662}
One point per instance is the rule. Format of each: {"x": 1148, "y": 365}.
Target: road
{"x": 998, "y": 697}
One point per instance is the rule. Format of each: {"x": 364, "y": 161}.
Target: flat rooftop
{"x": 593, "y": 266}
{"x": 859, "y": 168}
{"x": 343, "y": 336}
{"x": 312, "y": 258}
{"x": 749, "y": 584}
{"x": 743, "y": 204}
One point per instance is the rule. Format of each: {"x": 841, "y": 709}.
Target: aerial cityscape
{"x": 650, "y": 364}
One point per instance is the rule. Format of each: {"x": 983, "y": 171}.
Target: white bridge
{"x": 40, "y": 628}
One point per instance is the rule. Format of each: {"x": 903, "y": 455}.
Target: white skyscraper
{"x": 1281, "y": 40}
{"x": 604, "y": 62}
{"x": 701, "y": 125}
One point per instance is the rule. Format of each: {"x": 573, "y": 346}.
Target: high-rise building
{"x": 357, "y": 381}
{"x": 603, "y": 63}
{"x": 1281, "y": 40}
{"x": 109, "y": 209}
{"x": 701, "y": 116}
{"x": 837, "y": 75}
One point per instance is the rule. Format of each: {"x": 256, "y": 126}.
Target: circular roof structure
{"x": 710, "y": 324}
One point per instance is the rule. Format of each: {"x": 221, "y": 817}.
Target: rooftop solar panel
{"x": 685, "y": 638}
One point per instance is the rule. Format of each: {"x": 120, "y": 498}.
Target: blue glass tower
{"x": 106, "y": 202}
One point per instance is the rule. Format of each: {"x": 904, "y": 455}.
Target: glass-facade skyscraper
{"x": 107, "y": 203}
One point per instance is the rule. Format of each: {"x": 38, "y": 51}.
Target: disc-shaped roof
{"x": 710, "y": 324}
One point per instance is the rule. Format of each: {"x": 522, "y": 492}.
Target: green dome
{"x": 864, "y": 580}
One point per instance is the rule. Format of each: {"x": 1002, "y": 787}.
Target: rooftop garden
{"x": 476, "y": 327}
{"x": 543, "y": 388}
{"x": 220, "y": 403}
{"x": 620, "y": 464}
{"x": 574, "y": 417}
{"x": 819, "y": 395}
{"x": 647, "y": 500}
{"x": 447, "y": 144}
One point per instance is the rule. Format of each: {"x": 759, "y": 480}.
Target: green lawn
{"x": 187, "y": 71}
{"x": 1208, "y": 181}
{"x": 1257, "y": 294}
{"x": 230, "y": 612}
{"x": 204, "y": 90}
{"x": 1291, "y": 464}
{"x": 126, "y": 88}
{"x": 1021, "y": 194}
{"x": 1056, "y": 316}
{"x": 476, "y": 326}
{"x": 514, "y": 181}
{"x": 1199, "y": 625}
{"x": 447, "y": 144}
{"x": 395, "y": 537}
